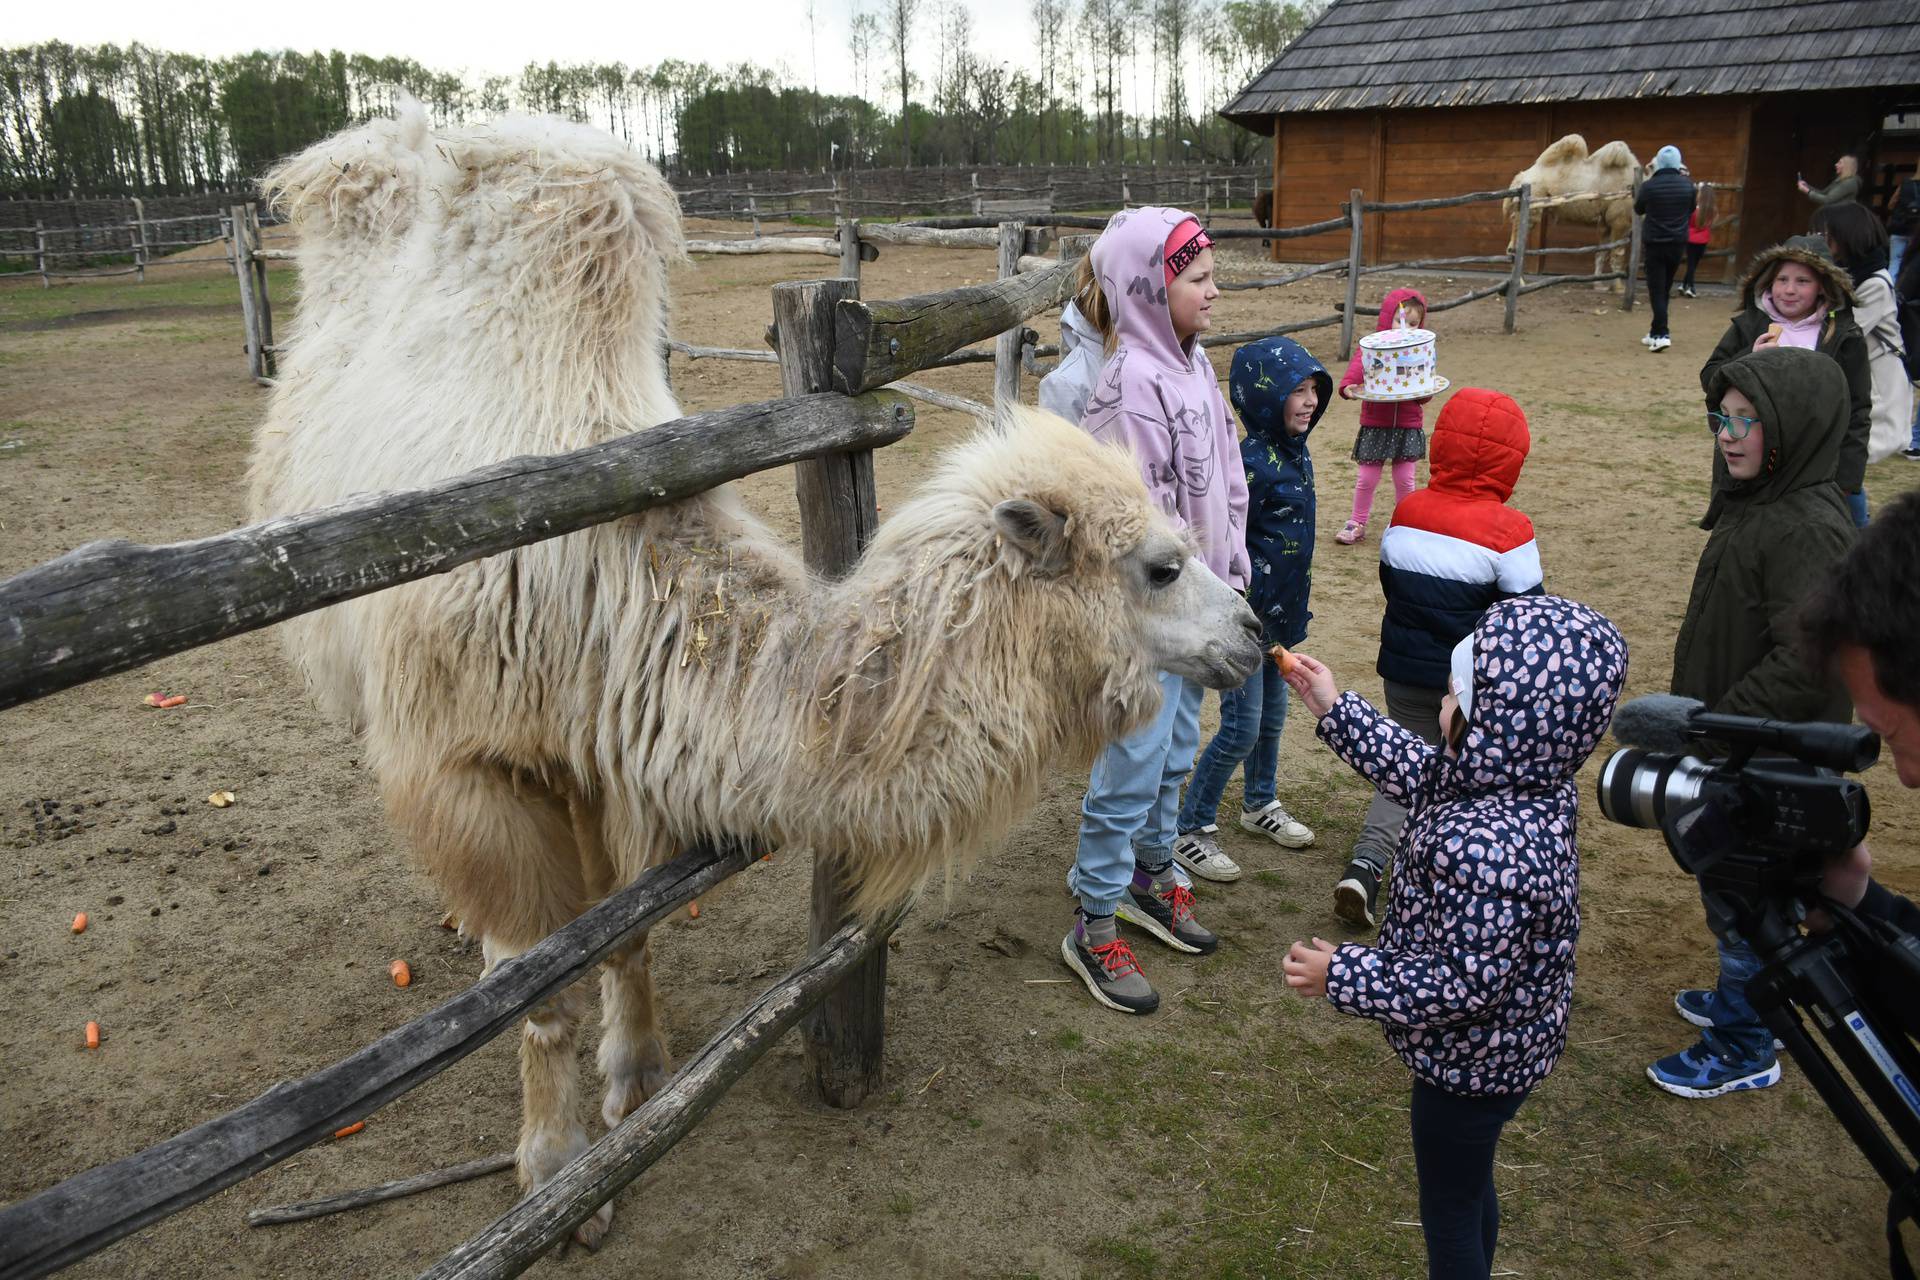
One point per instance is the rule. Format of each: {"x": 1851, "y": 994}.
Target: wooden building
{"x": 1410, "y": 99}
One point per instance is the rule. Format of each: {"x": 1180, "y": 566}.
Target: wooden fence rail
{"x": 878, "y": 342}
{"x": 109, "y": 606}
{"x": 91, "y": 1210}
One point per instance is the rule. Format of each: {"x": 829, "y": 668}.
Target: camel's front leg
{"x": 551, "y": 1134}
{"x": 633, "y": 1055}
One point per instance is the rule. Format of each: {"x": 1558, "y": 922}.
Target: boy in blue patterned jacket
{"x": 1473, "y": 974}
{"x": 1279, "y": 390}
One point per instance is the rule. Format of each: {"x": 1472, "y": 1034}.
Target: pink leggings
{"x": 1404, "y": 472}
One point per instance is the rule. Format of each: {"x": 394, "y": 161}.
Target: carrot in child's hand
{"x": 350, "y": 1130}
{"x": 93, "y": 1035}
{"x": 80, "y": 923}
{"x": 1283, "y": 659}
{"x": 400, "y": 972}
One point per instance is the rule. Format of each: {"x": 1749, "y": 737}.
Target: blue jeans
{"x": 1897, "y": 250}
{"x": 1251, "y": 718}
{"x": 1857, "y": 504}
{"x": 1913, "y": 441}
{"x": 1127, "y": 816}
{"x": 1454, "y": 1137}
{"x": 1737, "y": 1032}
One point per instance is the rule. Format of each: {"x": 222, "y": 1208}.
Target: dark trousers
{"x": 1663, "y": 260}
{"x": 1694, "y": 253}
{"x": 1453, "y": 1142}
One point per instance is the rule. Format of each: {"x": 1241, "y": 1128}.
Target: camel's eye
{"x": 1164, "y": 575}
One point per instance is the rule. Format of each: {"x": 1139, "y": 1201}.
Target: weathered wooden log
{"x": 1034, "y": 262}
{"x": 827, "y": 247}
{"x": 1006, "y": 347}
{"x": 91, "y": 1210}
{"x": 883, "y": 341}
{"x": 1355, "y": 241}
{"x": 1442, "y": 202}
{"x": 398, "y": 1189}
{"x": 1279, "y": 233}
{"x": 692, "y": 352}
{"x": 984, "y": 237}
{"x": 1298, "y": 326}
{"x": 846, "y": 1038}
{"x": 1426, "y": 264}
{"x": 942, "y": 399}
{"x": 1473, "y": 296}
{"x": 276, "y": 255}
{"x": 109, "y": 606}
{"x": 518, "y": 1238}
{"x": 1523, "y": 223}
{"x": 1595, "y": 278}
{"x": 1092, "y": 222}
{"x": 1293, "y": 277}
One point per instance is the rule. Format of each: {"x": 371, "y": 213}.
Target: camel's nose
{"x": 1249, "y": 623}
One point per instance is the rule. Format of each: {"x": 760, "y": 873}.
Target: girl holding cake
{"x": 1390, "y": 431}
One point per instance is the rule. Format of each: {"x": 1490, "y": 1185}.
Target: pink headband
{"x": 1184, "y": 245}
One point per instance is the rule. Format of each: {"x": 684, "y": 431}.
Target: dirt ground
{"x": 1237, "y": 1132}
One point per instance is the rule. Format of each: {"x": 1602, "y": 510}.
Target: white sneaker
{"x": 1659, "y": 344}
{"x": 1648, "y": 341}
{"x": 1199, "y": 853}
{"x": 1278, "y": 825}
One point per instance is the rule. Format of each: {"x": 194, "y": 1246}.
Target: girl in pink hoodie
{"x": 1157, "y": 396}
{"x": 1388, "y": 432}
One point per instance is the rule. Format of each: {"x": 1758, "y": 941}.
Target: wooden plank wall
{"x": 1412, "y": 155}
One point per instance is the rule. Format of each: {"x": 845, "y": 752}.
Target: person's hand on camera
{"x": 1313, "y": 683}
{"x": 1845, "y": 880}
{"x": 1305, "y": 967}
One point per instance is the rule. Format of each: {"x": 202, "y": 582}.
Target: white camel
{"x": 548, "y": 723}
{"x": 1565, "y": 168}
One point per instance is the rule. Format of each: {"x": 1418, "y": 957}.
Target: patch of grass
{"x": 900, "y": 1204}
{"x": 1068, "y": 1039}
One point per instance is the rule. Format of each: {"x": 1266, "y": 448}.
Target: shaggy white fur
{"x": 547, "y": 724}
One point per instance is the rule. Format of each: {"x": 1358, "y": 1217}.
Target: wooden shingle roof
{"x": 1456, "y": 53}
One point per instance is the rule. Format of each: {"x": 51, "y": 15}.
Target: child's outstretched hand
{"x": 1305, "y": 967}
{"x": 1313, "y": 683}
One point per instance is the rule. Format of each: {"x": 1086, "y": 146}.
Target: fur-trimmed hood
{"x": 1834, "y": 284}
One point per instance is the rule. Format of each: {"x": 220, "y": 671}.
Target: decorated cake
{"x": 1398, "y": 364}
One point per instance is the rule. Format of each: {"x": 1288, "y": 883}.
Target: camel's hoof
{"x": 624, "y": 1097}
{"x": 590, "y": 1233}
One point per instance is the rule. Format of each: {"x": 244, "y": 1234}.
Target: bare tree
{"x": 899, "y": 19}
{"x": 1049, "y": 16}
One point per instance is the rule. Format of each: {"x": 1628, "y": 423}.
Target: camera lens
{"x": 1639, "y": 788}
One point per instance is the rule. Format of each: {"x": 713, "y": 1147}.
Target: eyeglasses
{"x": 1735, "y": 427}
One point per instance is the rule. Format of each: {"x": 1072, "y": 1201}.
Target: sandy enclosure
{"x": 1025, "y": 1131}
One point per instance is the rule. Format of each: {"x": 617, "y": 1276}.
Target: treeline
{"x": 134, "y": 120}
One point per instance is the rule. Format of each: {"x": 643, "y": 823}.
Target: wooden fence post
{"x": 268, "y": 358}
{"x": 243, "y": 272}
{"x": 753, "y": 211}
{"x": 140, "y": 239}
{"x": 975, "y": 179}
{"x": 1006, "y": 347}
{"x": 1354, "y": 218}
{"x": 1633, "y": 252}
{"x": 40, "y": 254}
{"x": 849, "y": 248}
{"x": 1522, "y": 232}
{"x": 838, "y": 517}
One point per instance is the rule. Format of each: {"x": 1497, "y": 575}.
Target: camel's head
{"x": 1092, "y": 589}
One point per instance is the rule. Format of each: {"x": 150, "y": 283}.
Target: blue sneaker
{"x": 1698, "y": 1071}
{"x": 1695, "y": 1004}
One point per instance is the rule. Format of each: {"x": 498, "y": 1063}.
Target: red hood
{"x": 1478, "y": 446}
{"x": 1394, "y": 299}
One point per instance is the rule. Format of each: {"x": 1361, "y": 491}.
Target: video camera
{"x": 1755, "y": 815}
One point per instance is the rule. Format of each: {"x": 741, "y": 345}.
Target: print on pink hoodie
{"x": 1160, "y": 398}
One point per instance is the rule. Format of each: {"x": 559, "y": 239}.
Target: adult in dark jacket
{"x": 1826, "y": 326}
{"x": 1280, "y": 392}
{"x": 1454, "y": 548}
{"x": 1666, "y": 199}
{"x": 1784, "y": 528}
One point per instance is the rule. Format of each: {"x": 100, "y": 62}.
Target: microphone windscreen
{"x": 1657, "y": 722}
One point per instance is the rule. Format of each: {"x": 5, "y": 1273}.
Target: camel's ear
{"x": 1039, "y": 532}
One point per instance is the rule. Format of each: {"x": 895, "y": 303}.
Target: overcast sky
{"x": 492, "y": 37}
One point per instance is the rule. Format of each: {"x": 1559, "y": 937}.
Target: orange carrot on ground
{"x": 80, "y": 923}
{"x": 93, "y": 1035}
{"x": 401, "y": 973}
{"x": 178, "y": 699}
{"x": 350, "y": 1130}
{"x": 693, "y": 909}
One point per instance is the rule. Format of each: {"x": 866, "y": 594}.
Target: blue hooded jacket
{"x": 1280, "y": 503}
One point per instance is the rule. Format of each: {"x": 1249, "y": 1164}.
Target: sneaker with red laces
{"x": 1166, "y": 912}
{"x": 1112, "y": 975}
